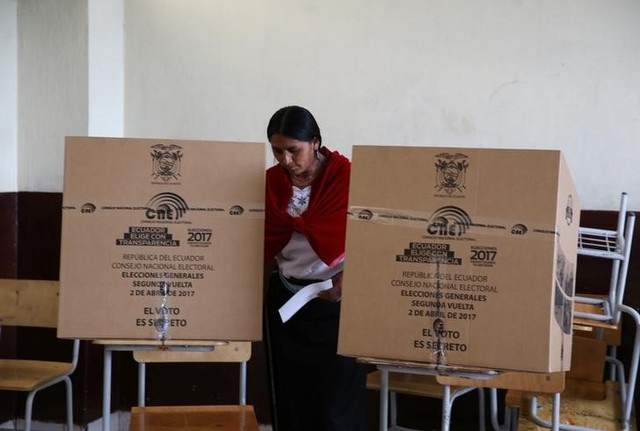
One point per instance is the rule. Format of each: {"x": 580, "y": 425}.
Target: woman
{"x": 313, "y": 388}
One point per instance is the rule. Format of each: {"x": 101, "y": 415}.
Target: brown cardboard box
{"x": 162, "y": 239}
{"x": 461, "y": 257}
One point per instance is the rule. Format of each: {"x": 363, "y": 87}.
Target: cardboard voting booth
{"x": 460, "y": 257}
{"x": 162, "y": 239}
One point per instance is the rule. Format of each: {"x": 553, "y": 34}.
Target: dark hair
{"x": 294, "y": 122}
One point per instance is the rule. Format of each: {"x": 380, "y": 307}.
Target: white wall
{"x": 106, "y": 67}
{"x": 502, "y": 73}
{"x": 52, "y": 88}
{"x": 8, "y": 96}
{"x": 491, "y": 73}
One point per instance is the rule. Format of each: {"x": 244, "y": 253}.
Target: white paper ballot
{"x": 303, "y": 296}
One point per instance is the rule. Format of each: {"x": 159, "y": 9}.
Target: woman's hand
{"x": 333, "y": 294}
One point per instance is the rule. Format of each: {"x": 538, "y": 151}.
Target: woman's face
{"x": 297, "y": 157}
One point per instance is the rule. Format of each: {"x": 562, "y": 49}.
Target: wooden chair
{"x": 584, "y": 379}
{"x": 597, "y": 322}
{"x": 582, "y": 388}
{"x": 194, "y": 418}
{"x": 232, "y": 351}
{"x": 239, "y": 417}
{"x": 605, "y": 401}
{"x": 34, "y": 303}
{"x": 614, "y": 246}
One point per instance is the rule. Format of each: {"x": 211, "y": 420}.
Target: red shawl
{"x": 324, "y": 221}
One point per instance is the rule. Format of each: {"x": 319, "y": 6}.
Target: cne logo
{"x": 449, "y": 221}
{"x": 87, "y": 208}
{"x": 166, "y": 160}
{"x": 236, "y": 210}
{"x": 365, "y": 215}
{"x": 451, "y": 172}
{"x": 166, "y": 206}
{"x": 519, "y": 229}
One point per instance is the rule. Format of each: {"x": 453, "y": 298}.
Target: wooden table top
{"x": 194, "y": 418}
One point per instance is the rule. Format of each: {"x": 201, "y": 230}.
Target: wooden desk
{"x": 131, "y": 346}
{"x": 193, "y": 418}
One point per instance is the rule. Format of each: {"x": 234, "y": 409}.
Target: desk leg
{"x": 384, "y": 399}
{"x": 446, "y": 407}
{"x": 106, "y": 390}
{"x": 142, "y": 379}
{"x": 555, "y": 413}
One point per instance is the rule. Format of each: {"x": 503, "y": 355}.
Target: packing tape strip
{"x": 451, "y": 221}
{"x": 162, "y": 322}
